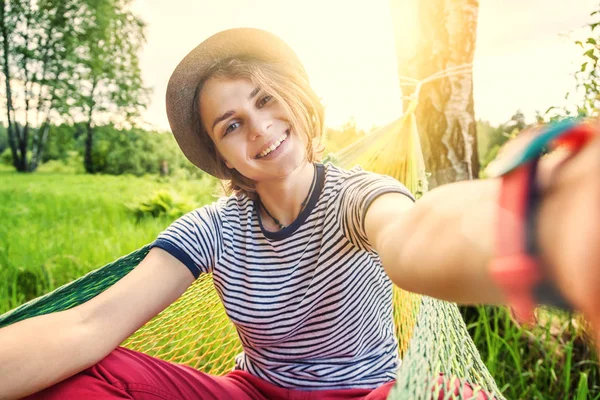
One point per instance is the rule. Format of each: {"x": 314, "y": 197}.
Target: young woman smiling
{"x": 303, "y": 255}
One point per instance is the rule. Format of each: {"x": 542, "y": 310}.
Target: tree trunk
{"x": 432, "y": 36}
{"x": 39, "y": 144}
{"x": 12, "y": 130}
{"x": 88, "y": 161}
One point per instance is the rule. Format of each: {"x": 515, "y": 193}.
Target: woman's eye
{"x": 231, "y": 127}
{"x": 263, "y": 101}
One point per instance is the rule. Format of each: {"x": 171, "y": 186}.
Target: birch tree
{"x": 433, "y": 36}
{"x": 37, "y": 38}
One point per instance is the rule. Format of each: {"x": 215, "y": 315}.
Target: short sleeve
{"x": 194, "y": 239}
{"x": 357, "y": 193}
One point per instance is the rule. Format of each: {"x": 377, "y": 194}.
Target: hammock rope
{"x": 406, "y": 81}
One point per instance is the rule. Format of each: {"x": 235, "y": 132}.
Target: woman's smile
{"x": 274, "y": 148}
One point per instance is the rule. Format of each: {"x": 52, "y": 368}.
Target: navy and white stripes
{"x": 311, "y": 303}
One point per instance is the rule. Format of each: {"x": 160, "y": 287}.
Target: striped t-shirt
{"x": 311, "y": 303}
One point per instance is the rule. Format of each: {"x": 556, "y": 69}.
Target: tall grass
{"x": 56, "y": 227}
{"x": 550, "y": 360}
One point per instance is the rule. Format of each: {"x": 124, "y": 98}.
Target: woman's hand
{"x": 569, "y": 228}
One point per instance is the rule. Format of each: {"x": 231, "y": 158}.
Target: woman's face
{"x": 250, "y": 129}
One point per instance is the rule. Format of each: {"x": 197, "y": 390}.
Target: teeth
{"x": 273, "y": 146}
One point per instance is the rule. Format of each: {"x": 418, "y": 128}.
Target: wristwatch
{"x": 517, "y": 266}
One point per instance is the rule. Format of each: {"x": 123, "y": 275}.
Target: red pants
{"x": 126, "y": 374}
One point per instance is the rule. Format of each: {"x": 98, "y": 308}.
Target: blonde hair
{"x": 290, "y": 88}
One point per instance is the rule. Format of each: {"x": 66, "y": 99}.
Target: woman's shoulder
{"x": 336, "y": 172}
{"x": 360, "y": 181}
{"x": 339, "y": 175}
{"x": 226, "y": 205}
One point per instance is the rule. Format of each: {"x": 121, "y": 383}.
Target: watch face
{"x": 529, "y": 144}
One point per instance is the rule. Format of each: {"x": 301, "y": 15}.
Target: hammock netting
{"x": 196, "y": 331}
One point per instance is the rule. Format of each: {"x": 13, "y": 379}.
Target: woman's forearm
{"x": 443, "y": 244}
{"x": 41, "y": 351}
{"x": 450, "y": 244}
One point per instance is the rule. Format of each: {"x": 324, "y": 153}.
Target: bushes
{"x": 71, "y": 164}
{"x": 6, "y": 157}
{"x": 162, "y": 203}
{"x": 115, "y": 152}
{"x": 136, "y": 152}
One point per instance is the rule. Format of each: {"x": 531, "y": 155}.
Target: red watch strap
{"x": 515, "y": 270}
{"x": 517, "y": 267}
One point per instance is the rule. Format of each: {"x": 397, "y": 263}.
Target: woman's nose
{"x": 259, "y": 127}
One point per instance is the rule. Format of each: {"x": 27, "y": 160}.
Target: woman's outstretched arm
{"x": 442, "y": 245}
{"x": 44, "y": 350}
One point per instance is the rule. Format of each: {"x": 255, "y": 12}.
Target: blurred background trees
{"x": 67, "y": 61}
{"x": 71, "y": 89}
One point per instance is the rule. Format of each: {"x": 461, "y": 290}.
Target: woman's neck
{"x": 284, "y": 198}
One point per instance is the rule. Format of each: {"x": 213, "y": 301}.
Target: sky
{"x": 524, "y": 58}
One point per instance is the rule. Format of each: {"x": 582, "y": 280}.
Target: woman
{"x": 299, "y": 251}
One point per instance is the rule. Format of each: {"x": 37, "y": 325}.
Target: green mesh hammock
{"x": 432, "y": 335}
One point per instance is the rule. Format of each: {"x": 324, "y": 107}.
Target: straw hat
{"x": 232, "y": 43}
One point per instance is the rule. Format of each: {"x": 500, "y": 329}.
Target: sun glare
{"x": 349, "y": 51}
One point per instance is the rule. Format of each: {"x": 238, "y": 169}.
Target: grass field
{"x": 56, "y": 227}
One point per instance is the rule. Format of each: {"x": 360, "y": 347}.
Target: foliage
{"x": 490, "y": 139}
{"x": 109, "y": 79}
{"x": 336, "y": 139}
{"x": 116, "y": 151}
{"x": 586, "y": 77}
{"x": 63, "y": 59}
{"x": 42, "y": 213}
{"x": 38, "y": 38}
{"x": 71, "y": 164}
{"x": 6, "y": 157}
{"x": 162, "y": 203}
{"x": 136, "y": 152}
{"x": 589, "y": 71}
{"x": 553, "y": 359}
{"x": 62, "y": 140}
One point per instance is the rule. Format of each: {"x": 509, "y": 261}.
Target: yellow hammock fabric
{"x": 393, "y": 150}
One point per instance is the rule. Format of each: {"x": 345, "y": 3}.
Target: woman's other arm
{"x": 41, "y": 351}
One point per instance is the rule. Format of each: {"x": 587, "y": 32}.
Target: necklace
{"x": 302, "y": 206}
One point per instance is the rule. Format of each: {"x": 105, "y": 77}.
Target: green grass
{"x": 551, "y": 360}
{"x": 57, "y": 227}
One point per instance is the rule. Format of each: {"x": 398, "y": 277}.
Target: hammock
{"x": 432, "y": 336}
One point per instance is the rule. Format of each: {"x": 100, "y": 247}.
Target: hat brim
{"x": 228, "y": 44}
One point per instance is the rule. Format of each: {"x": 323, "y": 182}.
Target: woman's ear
{"x": 227, "y": 164}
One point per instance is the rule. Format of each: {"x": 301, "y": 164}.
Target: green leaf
{"x": 590, "y": 54}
